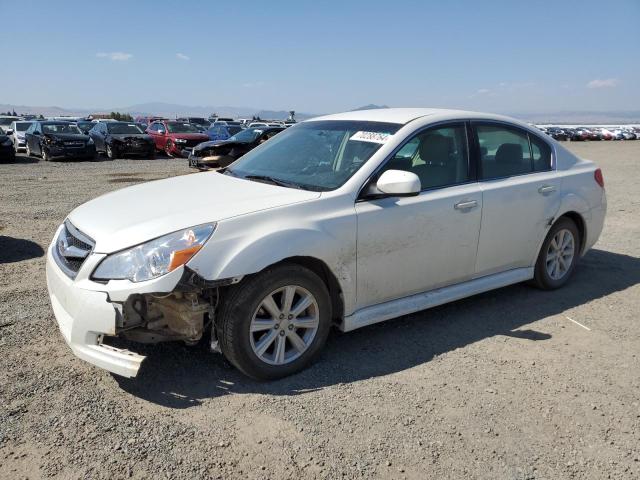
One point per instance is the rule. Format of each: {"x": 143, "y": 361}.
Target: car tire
{"x": 152, "y": 154}
{"x": 258, "y": 342}
{"x": 111, "y": 152}
{"x": 558, "y": 256}
{"x": 28, "y": 150}
{"x": 167, "y": 148}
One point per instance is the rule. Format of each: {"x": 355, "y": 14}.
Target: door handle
{"x": 465, "y": 204}
{"x": 545, "y": 189}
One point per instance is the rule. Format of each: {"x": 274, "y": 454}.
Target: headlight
{"x": 180, "y": 140}
{"x": 155, "y": 258}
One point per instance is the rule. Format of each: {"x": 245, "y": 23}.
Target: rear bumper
{"x": 84, "y": 317}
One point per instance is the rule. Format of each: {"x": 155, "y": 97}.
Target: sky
{"x": 323, "y": 56}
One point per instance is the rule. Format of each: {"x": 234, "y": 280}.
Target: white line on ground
{"x": 577, "y": 323}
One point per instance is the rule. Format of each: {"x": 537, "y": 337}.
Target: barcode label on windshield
{"x": 374, "y": 137}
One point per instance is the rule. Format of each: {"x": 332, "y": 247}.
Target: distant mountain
{"x": 586, "y": 117}
{"x": 371, "y": 106}
{"x": 168, "y": 110}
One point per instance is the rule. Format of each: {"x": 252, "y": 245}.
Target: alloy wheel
{"x": 560, "y": 254}
{"x": 284, "y": 325}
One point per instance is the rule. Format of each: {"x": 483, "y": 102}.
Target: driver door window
{"x": 438, "y": 156}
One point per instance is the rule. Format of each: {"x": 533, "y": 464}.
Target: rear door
{"x": 521, "y": 195}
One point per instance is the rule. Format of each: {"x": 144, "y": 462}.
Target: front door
{"x": 414, "y": 244}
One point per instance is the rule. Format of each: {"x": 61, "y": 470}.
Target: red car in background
{"x": 172, "y": 137}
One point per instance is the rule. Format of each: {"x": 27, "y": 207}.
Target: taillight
{"x": 597, "y": 175}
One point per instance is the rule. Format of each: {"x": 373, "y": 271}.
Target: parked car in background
{"x": 557, "y": 133}
{"x": 219, "y": 154}
{"x": 17, "y": 131}
{"x": 617, "y": 134}
{"x": 580, "y": 134}
{"x": 257, "y": 124}
{"x": 57, "y": 139}
{"x": 85, "y": 125}
{"x": 213, "y": 119}
{"x": 117, "y": 139}
{"x": 628, "y": 134}
{"x": 6, "y": 120}
{"x": 219, "y": 131}
{"x": 203, "y": 122}
{"x": 344, "y": 220}
{"x": 7, "y": 152}
{"x": 173, "y": 137}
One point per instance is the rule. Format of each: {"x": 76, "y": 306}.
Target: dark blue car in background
{"x": 222, "y": 132}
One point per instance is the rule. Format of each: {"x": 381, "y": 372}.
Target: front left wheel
{"x": 275, "y": 323}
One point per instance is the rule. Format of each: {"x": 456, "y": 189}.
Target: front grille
{"x": 71, "y": 249}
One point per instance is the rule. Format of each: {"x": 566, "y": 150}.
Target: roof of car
{"x": 405, "y": 115}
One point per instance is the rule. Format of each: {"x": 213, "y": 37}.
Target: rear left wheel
{"x": 558, "y": 255}
{"x": 275, "y": 323}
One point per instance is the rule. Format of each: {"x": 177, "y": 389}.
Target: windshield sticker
{"x": 375, "y": 137}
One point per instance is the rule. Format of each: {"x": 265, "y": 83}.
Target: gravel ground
{"x": 501, "y": 385}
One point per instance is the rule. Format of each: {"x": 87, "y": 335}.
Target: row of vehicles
{"x": 581, "y": 134}
{"x": 219, "y": 144}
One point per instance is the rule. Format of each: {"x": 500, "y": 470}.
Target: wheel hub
{"x": 284, "y": 325}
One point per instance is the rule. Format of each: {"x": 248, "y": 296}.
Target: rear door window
{"x": 504, "y": 151}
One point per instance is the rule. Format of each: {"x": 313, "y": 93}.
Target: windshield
{"x": 120, "y": 128}
{"x": 320, "y": 155}
{"x": 179, "y": 127}
{"x": 60, "y": 128}
{"x": 248, "y": 135}
{"x": 22, "y": 126}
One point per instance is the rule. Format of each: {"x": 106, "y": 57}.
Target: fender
{"x": 235, "y": 250}
{"x": 570, "y": 202}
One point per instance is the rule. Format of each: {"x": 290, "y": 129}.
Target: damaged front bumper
{"x": 87, "y": 311}
{"x": 84, "y": 317}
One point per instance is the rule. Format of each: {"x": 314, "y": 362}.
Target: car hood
{"x": 136, "y": 214}
{"x": 215, "y": 143}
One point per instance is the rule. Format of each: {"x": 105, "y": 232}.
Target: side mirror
{"x": 162, "y": 132}
{"x": 9, "y": 132}
{"x": 398, "y": 183}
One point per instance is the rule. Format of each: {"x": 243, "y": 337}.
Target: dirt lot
{"x": 501, "y": 385}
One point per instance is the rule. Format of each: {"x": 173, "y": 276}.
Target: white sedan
{"x": 343, "y": 220}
